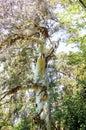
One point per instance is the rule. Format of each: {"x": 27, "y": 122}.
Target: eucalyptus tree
{"x": 24, "y": 36}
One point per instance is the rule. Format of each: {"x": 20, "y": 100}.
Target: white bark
{"x": 42, "y": 101}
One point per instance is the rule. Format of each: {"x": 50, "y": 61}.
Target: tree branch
{"x": 82, "y": 3}
{"x": 49, "y": 54}
{"x": 9, "y": 92}
{"x": 32, "y": 85}
{"x": 13, "y": 38}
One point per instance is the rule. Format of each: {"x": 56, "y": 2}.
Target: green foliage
{"x": 74, "y": 111}
{"x": 74, "y": 106}
{"x": 8, "y": 127}
{"x": 24, "y": 124}
{"x": 75, "y": 58}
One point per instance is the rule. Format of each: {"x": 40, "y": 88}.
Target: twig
{"x": 12, "y": 91}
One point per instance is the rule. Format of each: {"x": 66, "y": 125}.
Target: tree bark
{"x": 42, "y": 116}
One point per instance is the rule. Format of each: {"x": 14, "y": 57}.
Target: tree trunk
{"x": 42, "y": 116}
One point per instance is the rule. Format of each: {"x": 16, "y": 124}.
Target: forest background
{"x": 42, "y": 88}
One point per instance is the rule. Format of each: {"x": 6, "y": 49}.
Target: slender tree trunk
{"x": 49, "y": 115}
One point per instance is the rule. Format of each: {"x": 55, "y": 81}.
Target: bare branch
{"x": 50, "y": 52}
{"x": 12, "y": 91}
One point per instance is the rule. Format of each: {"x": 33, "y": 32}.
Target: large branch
{"x": 32, "y": 85}
{"x": 10, "y": 40}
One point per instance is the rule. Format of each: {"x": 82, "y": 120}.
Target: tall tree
{"x": 19, "y": 36}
